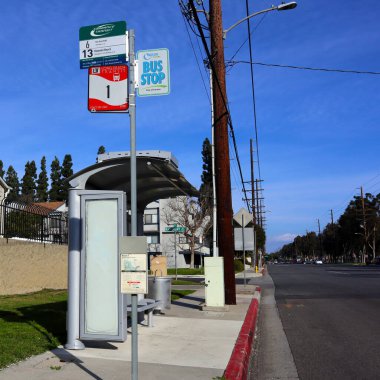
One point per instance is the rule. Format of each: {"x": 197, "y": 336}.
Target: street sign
{"x": 175, "y": 229}
{"x": 108, "y": 89}
{"x": 154, "y": 72}
{"x": 102, "y": 44}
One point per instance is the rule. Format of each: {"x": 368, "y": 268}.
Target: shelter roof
{"x": 158, "y": 176}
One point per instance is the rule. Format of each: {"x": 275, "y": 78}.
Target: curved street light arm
{"x": 281, "y": 7}
{"x": 246, "y": 18}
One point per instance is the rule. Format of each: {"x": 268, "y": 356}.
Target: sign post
{"x": 174, "y": 228}
{"x": 132, "y": 116}
{"x": 104, "y": 49}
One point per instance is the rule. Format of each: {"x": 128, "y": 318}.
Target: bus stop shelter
{"x": 96, "y": 308}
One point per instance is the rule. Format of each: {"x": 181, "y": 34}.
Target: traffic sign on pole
{"x": 108, "y": 89}
{"x": 103, "y": 44}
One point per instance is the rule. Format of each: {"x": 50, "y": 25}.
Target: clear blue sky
{"x": 318, "y": 131}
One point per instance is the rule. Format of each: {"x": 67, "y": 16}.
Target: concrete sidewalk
{"x": 185, "y": 343}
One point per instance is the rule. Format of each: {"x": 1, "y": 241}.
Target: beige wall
{"x": 28, "y": 267}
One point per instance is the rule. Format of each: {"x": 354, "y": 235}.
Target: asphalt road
{"x": 331, "y": 318}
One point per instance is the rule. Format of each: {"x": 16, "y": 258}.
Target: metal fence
{"x": 32, "y": 222}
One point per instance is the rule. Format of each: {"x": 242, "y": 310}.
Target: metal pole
{"x": 364, "y": 224}
{"x": 73, "y": 342}
{"x": 175, "y": 251}
{"x": 242, "y": 234}
{"x": 214, "y": 245}
{"x": 133, "y": 181}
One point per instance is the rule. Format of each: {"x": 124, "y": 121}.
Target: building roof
{"x": 157, "y": 176}
{"x": 3, "y": 183}
{"x": 50, "y": 205}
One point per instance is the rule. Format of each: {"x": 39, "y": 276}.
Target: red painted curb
{"x": 237, "y": 367}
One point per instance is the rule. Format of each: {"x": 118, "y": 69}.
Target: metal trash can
{"x": 159, "y": 288}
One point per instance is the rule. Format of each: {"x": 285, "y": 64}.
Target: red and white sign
{"x": 108, "y": 89}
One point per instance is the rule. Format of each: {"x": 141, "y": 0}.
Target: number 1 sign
{"x": 108, "y": 89}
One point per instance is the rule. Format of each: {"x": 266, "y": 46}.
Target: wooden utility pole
{"x": 222, "y": 158}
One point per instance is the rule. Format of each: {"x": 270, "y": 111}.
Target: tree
{"x": 66, "y": 173}
{"x": 42, "y": 183}
{"x": 260, "y": 237}
{"x": 11, "y": 179}
{"x": 28, "y": 182}
{"x": 1, "y": 169}
{"x": 55, "y": 192}
{"x": 101, "y": 150}
{"x": 206, "y": 189}
{"x": 189, "y": 213}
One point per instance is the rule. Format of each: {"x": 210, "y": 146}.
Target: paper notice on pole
{"x": 134, "y": 282}
{"x": 133, "y": 277}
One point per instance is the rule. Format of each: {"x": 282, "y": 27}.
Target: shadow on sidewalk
{"x": 193, "y": 302}
{"x": 67, "y": 357}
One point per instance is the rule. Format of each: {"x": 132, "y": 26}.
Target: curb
{"x": 238, "y": 365}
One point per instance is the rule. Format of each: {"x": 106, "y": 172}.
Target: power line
{"x": 232, "y": 134}
{"x": 309, "y": 68}
{"x": 250, "y": 34}
{"x": 195, "y": 55}
{"x": 253, "y": 91}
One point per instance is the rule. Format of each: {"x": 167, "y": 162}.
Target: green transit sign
{"x": 103, "y": 44}
{"x": 175, "y": 229}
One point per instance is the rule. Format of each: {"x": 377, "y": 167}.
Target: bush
{"x": 238, "y": 265}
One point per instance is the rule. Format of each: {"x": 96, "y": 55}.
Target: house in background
{"x": 54, "y": 207}
{"x": 56, "y": 220}
{"x": 4, "y": 190}
{"x": 172, "y": 245}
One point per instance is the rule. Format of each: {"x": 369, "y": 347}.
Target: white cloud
{"x": 283, "y": 238}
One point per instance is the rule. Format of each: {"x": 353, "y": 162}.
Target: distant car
{"x": 318, "y": 261}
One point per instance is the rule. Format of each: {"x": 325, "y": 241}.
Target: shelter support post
{"x": 73, "y": 342}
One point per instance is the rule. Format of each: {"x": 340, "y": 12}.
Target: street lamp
{"x": 281, "y": 7}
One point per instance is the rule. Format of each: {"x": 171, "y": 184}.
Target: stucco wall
{"x": 28, "y": 267}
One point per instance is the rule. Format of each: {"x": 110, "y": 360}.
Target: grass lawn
{"x": 185, "y": 282}
{"x": 186, "y": 271}
{"x": 33, "y": 323}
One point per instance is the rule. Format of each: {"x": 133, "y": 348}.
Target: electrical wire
{"x": 196, "y": 58}
{"x": 228, "y": 113}
{"x": 250, "y": 34}
{"x": 309, "y": 68}
{"x": 253, "y": 92}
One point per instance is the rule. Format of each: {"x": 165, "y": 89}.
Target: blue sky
{"x": 318, "y": 131}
